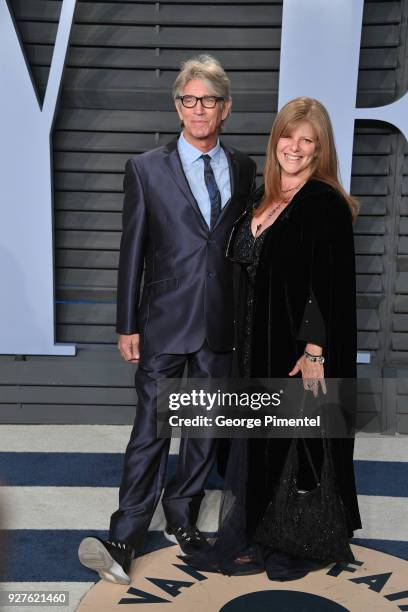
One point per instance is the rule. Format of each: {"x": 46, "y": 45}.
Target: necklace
{"x": 292, "y": 188}
{"x": 275, "y": 208}
{"x": 270, "y": 214}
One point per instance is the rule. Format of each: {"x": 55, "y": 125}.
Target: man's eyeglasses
{"x": 206, "y": 101}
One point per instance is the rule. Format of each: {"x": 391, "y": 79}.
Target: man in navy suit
{"x": 180, "y": 203}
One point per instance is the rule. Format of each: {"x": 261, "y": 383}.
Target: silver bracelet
{"x": 314, "y": 358}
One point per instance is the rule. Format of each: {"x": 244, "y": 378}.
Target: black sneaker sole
{"x": 172, "y": 538}
{"x": 93, "y": 554}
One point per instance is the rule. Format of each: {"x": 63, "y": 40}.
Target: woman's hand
{"x": 312, "y": 372}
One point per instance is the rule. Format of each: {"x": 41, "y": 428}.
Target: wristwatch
{"x": 314, "y": 358}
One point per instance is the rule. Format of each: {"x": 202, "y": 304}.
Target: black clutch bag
{"x": 307, "y": 524}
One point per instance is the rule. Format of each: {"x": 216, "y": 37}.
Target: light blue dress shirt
{"x": 193, "y": 168}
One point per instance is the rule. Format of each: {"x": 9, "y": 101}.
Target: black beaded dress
{"x": 241, "y": 508}
{"x": 247, "y": 249}
{"x": 254, "y": 465}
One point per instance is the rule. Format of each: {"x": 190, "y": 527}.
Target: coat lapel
{"x": 234, "y": 177}
{"x": 233, "y": 168}
{"x": 173, "y": 161}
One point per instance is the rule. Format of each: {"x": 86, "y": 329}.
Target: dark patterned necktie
{"x": 212, "y": 188}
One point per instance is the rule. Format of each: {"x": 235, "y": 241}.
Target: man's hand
{"x": 128, "y": 345}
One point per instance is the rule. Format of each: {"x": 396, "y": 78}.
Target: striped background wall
{"x": 115, "y": 102}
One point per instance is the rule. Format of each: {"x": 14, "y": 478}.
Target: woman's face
{"x": 297, "y": 150}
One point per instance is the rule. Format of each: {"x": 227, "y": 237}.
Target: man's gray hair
{"x": 208, "y": 69}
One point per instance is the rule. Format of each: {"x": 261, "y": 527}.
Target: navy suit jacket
{"x": 187, "y": 295}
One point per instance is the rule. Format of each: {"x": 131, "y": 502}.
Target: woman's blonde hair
{"x": 325, "y": 165}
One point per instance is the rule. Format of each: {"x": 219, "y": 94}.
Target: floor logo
{"x": 160, "y": 581}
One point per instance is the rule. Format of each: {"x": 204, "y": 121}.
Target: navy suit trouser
{"x": 146, "y": 455}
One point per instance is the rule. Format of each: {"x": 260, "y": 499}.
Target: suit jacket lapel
{"x": 175, "y": 167}
{"x": 233, "y": 168}
{"x": 234, "y": 177}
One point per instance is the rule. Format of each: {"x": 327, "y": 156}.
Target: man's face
{"x": 201, "y": 124}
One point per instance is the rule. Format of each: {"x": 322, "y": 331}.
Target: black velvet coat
{"x": 309, "y": 250}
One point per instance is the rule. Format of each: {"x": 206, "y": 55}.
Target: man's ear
{"x": 178, "y": 106}
{"x": 226, "y": 110}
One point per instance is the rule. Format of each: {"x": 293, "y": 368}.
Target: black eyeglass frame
{"x": 200, "y": 98}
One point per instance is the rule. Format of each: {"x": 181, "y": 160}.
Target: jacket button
{"x": 211, "y": 274}
{"x": 306, "y": 321}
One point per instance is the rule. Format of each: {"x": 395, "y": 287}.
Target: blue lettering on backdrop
{"x": 27, "y": 319}
{"x": 320, "y": 51}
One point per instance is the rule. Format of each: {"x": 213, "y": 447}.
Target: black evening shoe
{"x": 111, "y": 560}
{"x": 248, "y": 562}
{"x": 189, "y": 539}
{"x": 284, "y": 567}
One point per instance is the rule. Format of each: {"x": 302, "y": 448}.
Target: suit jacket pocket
{"x": 161, "y": 286}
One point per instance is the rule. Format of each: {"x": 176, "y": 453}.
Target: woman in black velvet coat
{"x": 296, "y": 301}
